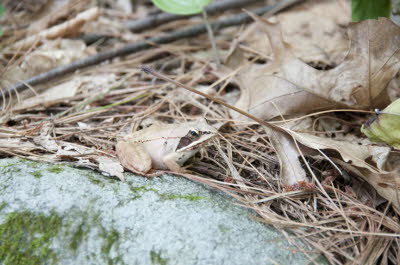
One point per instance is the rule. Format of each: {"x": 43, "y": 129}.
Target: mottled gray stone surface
{"x": 63, "y": 215}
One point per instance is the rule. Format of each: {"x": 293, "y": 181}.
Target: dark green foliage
{"x": 367, "y": 9}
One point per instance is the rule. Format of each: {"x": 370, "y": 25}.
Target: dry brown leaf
{"x": 288, "y": 85}
{"x": 291, "y": 170}
{"x": 54, "y": 53}
{"x": 51, "y": 96}
{"x": 358, "y": 160}
{"x": 45, "y": 140}
{"x": 52, "y": 11}
{"x": 51, "y": 54}
{"x": 17, "y": 144}
{"x": 354, "y": 154}
{"x": 111, "y": 167}
{"x": 64, "y": 91}
{"x": 312, "y": 29}
{"x": 387, "y": 185}
{"x": 67, "y": 28}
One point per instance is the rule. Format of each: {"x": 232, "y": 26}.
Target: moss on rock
{"x": 37, "y": 174}
{"x": 55, "y": 169}
{"x": 156, "y": 259}
{"x": 166, "y": 196}
{"x": 110, "y": 240}
{"x": 25, "y": 238}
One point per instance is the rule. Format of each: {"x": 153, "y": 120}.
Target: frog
{"x": 164, "y": 146}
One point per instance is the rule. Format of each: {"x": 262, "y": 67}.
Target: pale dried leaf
{"x": 67, "y": 90}
{"x": 54, "y": 53}
{"x": 125, "y": 6}
{"x": 45, "y": 140}
{"x": 51, "y": 54}
{"x": 52, "y": 95}
{"x": 291, "y": 170}
{"x": 312, "y": 29}
{"x": 19, "y": 144}
{"x": 66, "y": 148}
{"x": 354, "y": 154}
{"x": 387, "y": 185}
{"x": 67, "y": 28}
{"x": 111, "y": 167}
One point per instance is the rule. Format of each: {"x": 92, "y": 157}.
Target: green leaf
{"x": 1, "y": 13}
{"x": 385, "y": 127}
{"x": 181, "y": 7}
{"x": 367, "y": 9}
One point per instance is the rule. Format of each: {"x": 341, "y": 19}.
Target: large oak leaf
{"x": 287, "y": 85}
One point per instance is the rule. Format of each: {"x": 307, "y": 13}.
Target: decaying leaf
{"x": 68, "y": 89}
{"x": 291, "y": 171}
{"x": 51, "y": 54}
{"x": 366, "y": 161}
{"x": 386, "y": 184}
{"x": 17, "y": 144}
{"x": 314, "y": 35}
{"x": 287, "y": 85}
{"x": 51, "y": 96}
{"x": 385, "y": 127}
{"x": 67, "y": 28}
{"x": 354, "y": 154}
{"x": 111, "y": 167}
{"x": 45, "y": 140}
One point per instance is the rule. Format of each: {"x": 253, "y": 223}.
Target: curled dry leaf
{"x": 287, "y": 85}
{"x": 359, "y": 159}
{"x": 291, "y": 171}
{"x": 357, "y": 155}
{"x": 386, "y": 184}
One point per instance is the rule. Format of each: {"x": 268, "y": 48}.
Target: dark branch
{"x": 161, "y": 18}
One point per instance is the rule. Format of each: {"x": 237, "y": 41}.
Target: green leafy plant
{"x": 1, "y": 14}
{"x": 190, "y": 7}
{"x": 181, "y": 7}
{"x": 386, "y": 126}
{"x": 367, "y": 9}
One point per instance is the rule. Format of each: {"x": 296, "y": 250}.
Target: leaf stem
{"x": 211, "y": 36}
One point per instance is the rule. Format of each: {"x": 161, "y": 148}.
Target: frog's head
{"x": 199, "y": 132}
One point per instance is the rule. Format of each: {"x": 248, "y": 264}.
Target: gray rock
{"x": 52, "y": 214}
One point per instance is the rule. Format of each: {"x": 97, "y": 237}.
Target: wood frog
{"x": 163, "y": 146}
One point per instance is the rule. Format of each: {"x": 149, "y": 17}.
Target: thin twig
{"x": 211, "y": 37}
{"x": 142, "y": 45}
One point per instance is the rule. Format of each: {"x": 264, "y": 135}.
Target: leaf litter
{"x": 320, "y": 179}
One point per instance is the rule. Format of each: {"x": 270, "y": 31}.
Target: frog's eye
{"x": 194, "y": 133}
